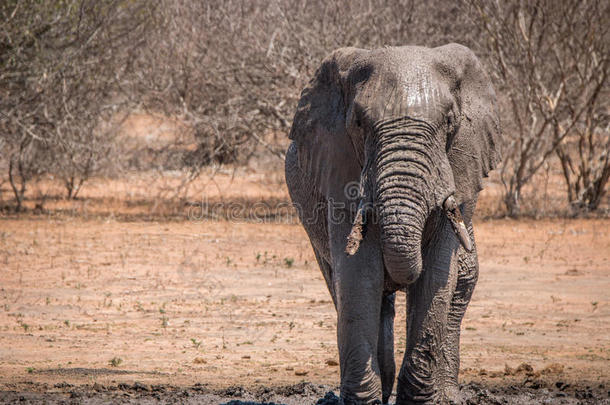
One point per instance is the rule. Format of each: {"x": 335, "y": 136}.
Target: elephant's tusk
{"x": 355, "y": 236}
{"x": 457, "y": 223}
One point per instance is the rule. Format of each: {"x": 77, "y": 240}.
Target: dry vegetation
{"x": 223, "y": 79}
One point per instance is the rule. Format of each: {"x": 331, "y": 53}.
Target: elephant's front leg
{"x": 358, "y": 285}
{"x": 385, "y": 346}
{"x": 468, "y": 273}
{"x": 426, "y": 375}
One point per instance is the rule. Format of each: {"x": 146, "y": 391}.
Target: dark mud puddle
{"x": 528, "y": 392}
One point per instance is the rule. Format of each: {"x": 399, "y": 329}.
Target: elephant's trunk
{"x": 408, "y": 184}
{"x": 404, "y": 194}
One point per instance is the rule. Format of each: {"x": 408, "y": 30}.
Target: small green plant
{"x": 288, "y": 262}
{"x": 196, "y": 343}
{"x": 164, "y": 321}
{"x": 115, "y": 361}
{"x": 24, "y": 325}
{"x": 262, "y": 258}
{"x": 30, "y": 370}
{"x": 67, "y": 323}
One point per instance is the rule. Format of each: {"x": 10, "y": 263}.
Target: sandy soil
{"x": 106, "y": 304}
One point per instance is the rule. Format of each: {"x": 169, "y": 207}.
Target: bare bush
{"x": 231, "y": 71}
{"x": 550, "y": 62}
{"x": 61, "y": 68}
{"x": 26, "y": 162}
{"x": 227, "y": 74}
{"x": 585, "y": 158}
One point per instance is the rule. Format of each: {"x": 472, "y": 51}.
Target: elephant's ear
{"x": 475, "y": 148}
{"x": 325, "y": 151}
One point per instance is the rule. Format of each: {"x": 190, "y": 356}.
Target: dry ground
{"x": 102, "y": 292}
{"x": 226, "y": 303}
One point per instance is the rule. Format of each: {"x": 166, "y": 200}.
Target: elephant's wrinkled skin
{"x": 390, "y": 146}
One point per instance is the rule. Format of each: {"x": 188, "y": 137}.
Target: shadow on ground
{"x": 526, "y": 392}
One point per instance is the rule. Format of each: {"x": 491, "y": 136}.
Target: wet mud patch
{"x": 535, "y": 392}
{"x": 82, "y": 371}
{"x": 473, "y": 393}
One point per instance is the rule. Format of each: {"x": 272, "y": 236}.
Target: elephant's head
{"x": 417, "y": 128}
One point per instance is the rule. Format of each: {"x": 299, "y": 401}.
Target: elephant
{"x": 388, "y": 152}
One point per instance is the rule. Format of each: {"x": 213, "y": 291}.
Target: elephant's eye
{"x": 358, "y": 122}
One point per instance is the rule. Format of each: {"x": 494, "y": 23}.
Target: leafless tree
{"x": 61, "y": 68}
{"x": 550, "y": 60}
{"x": 231, "y": 70}
{"x": 227, "y": 75}
{"x": 585, "y": 162}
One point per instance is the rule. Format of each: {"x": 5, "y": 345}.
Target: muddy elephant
{"x": 389, "y": 149}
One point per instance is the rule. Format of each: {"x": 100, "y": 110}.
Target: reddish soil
{"x": 222, "y": 303}
{"x": 139, "y": 293}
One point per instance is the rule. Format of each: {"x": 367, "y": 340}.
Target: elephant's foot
{"x": 360, "y": 380}
{"x": 352, "y": 401}
{"x": 452, "y": 395}
{"x": 436, "y": 391}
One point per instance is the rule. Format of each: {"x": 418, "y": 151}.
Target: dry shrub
{"x": 222, "y": 78}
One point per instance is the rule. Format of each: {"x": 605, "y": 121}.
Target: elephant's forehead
{"x": 404, "y": 83}
{"x": 419, "y": 87}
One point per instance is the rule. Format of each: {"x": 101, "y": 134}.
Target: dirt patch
{"x": 85, "y": 302}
